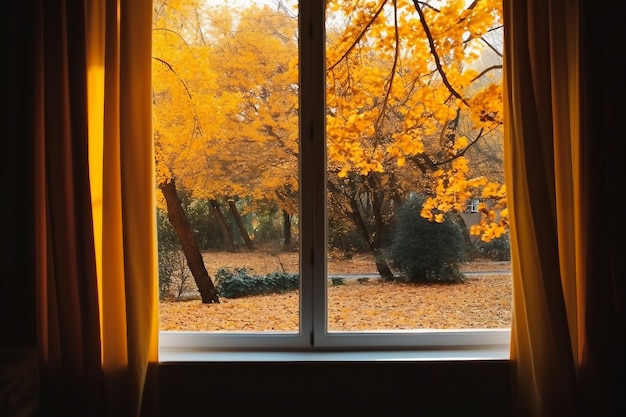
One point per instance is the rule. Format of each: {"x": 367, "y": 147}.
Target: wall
{"x": 432, "y": 389}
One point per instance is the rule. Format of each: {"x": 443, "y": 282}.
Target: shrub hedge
{"x": 239, "y": 282}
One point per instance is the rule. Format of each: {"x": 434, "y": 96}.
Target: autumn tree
{"x": 408, "y": 99}
{"x": 258, "y": 51}
{"x": 226, "y": 115}
{"x": 178, "y": 124}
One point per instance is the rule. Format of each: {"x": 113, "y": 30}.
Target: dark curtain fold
{"x": 603, "y": 356}
{"x": 69, "y": 323}
{"x": 58, "y": 155}
{"x": 561, "y": 123}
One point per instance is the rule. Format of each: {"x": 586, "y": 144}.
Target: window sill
{"x": 500, "y": 352}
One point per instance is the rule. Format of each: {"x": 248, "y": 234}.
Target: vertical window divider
{"x": 312, "y": 166}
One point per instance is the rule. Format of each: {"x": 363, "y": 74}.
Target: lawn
{"x": 483, "y": 301}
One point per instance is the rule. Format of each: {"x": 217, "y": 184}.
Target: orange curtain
{"x": 81, "y": 137}
{"x": 121, "y": 160}
{"x": 568, "y": 300}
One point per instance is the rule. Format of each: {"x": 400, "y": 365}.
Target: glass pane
{"x": 417, "y": 226}
{"x": 225, "y": 81}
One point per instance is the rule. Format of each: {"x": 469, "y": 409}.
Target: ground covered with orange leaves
{"x": 483, "y": 301}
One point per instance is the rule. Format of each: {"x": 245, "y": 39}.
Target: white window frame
{"x": 472, "y": 205}
{"x": 313, "y": 341}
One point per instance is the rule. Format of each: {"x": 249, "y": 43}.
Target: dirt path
{"x": 264, "y": 262}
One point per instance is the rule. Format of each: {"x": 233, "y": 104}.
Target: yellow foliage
{"x": 226, "y": 103}
{"x": 460, "y": 143}
{"x": 226, "y": 98}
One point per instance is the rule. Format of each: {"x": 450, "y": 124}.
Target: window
{"x": 275, "y": 119}
{"x": 472, "y": 205}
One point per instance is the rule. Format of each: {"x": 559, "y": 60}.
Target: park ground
{"x": 482, "y": 301}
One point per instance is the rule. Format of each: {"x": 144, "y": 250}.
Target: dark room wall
{"x": 328, "y": 389}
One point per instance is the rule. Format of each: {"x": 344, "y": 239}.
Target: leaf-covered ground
{"x": 483, "y": 301}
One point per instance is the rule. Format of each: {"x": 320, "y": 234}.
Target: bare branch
{"x": 270, "y": 131}
{"x": 493, "y": 48}
{"x": 425, "y": 163}
{"x": 199, "y": 27}
{"x": 430, "y": 6}
{"x": 462, "y": 152}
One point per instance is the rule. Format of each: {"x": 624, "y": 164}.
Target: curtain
{"x": 81, "y": 135}
{"x": 567, "y": 346}
{"x": 121, "y": 160}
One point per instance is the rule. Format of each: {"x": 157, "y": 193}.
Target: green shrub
{"x": 342, "y": 235}
{"x": 238, "y": 282}
{"x": 347, "y": 241}
{"x": 425, "y": 251}
{"x": 168, "y": 246}
{"x": 204, "y": 225}
{"x": 498, "y": 249}
{"x": 338, "y": 281}
{"x": 268, "y": 224}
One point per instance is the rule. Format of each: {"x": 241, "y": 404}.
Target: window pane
{"x": 226, "y": 122}
{"x": 414, "y": 159}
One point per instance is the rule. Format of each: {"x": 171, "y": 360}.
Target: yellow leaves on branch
{"x": 435, "y": 81}
{"x": 460, "y": 143}
{"x": 494, "y": 217}
{"x": 225, "y": 88}
{"x": 405, "y": 145}
{"x": 452, "y": 191}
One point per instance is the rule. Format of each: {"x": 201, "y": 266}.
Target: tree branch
{"x": 177, "y": 76}
{"x": 393, "y": 68}
{"x": 486, "y": 70}
{"x": 433, "y": 52}
{"x": 423, "y": 162}
{"x": 181, "y": 38}
{"x": 358, "y": 38}
{"x": 493, "y": 48}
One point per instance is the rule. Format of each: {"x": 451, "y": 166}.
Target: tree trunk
{"x": 373, "y": 240}
{"x": 227, "y": 237}
{"x": 240, "y": 225}
{"x": 383, "y": 267}
{"x": 378, "y": 196}
{"x": 286, "y": 228}
{"x": 178, "y": 219}
{"x": 458, "y": 219}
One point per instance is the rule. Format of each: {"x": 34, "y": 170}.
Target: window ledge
{"x": 484, "y": 353}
